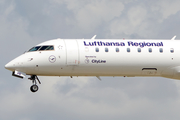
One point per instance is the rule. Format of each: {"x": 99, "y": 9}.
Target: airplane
{"x": 99, "y": 57}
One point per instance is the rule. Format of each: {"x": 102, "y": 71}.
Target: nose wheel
{"x": 34, "y": 87}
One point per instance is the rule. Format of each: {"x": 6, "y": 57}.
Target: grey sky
{"x": 24, "y": 24}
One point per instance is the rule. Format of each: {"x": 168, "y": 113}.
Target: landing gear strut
{"x": 34, "y": 87}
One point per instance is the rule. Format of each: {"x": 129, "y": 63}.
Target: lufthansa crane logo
{"x": 86, "y": 61}
{"x": 52, "y": 59}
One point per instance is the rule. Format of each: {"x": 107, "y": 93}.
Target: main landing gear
{"x": 34, "y": 87}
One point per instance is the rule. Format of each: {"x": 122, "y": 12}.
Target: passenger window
{"x": 139, "y": 49}
{"x": 34, "y": 49}
{"x": 97, "y": 49}
{"x": 86, "y": 49}
{"x": 128, "y": 50}
{"x": 172, "y": 50}
{"x": 117, "y": 49}
{"x": 160, "y": 50}
{"x": 106, "y": 50}
{"x": 150, "y": 50}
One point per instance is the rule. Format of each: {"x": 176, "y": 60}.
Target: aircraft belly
{"x": 112, "y": 71}
{"x": 92, "y": 71}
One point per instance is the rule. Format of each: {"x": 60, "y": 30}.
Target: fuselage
{"x": 101, "y": 57}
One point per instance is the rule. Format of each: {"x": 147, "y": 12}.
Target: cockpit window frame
{"x": 47, "y": 49}
{"x": 40, "y": 48}
{"x": 31, "y": 50}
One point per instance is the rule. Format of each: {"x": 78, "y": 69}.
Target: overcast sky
{"x": 25, "y": 23}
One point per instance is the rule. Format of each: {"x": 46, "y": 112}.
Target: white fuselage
{"x": 102, "y": 57}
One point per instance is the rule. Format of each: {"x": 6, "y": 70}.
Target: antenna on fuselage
{"x": 173, "y": 38}
{"x": 93, "y": 37}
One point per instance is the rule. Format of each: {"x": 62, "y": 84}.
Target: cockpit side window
{"x": 34, "y": 49}
{"x": 50, "y": 48}
{"x": 46, "y": 48}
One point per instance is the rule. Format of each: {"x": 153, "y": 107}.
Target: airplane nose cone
{"x": 15, "y": 64}
{"x": 9, "y": 66}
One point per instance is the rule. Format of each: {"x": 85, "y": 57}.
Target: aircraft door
{"x": 72, "y": 52}
{"x": 149, "y": 71}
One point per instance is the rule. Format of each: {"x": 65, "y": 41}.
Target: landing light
{"x": 18, "y": 74}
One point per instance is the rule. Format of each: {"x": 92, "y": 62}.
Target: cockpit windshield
{"x": 34, "y": 49}
{"x": 41, "y": 48}
{"x": 47, "y": 48}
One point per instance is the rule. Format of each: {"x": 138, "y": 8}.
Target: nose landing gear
{"x": 34, "y": 87}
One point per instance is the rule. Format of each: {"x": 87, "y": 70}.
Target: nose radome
{"x": 15, "y": 63}
{"x": 10, "y": 66}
